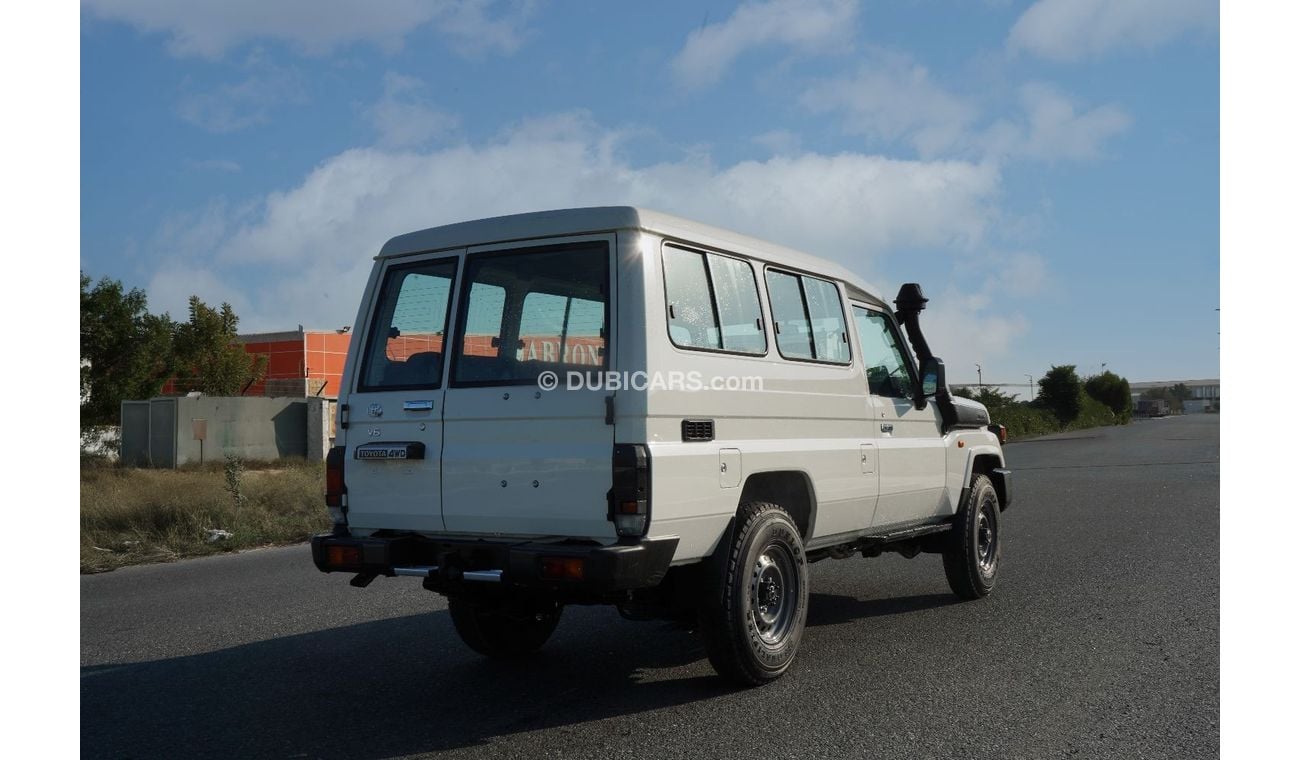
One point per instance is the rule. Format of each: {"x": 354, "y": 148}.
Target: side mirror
{"x": 933, "y": 377}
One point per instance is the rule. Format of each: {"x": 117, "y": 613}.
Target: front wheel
{"x": 503, "y": 630}
{"x": 757, "y": 604}
{"x": 975, "y": 546}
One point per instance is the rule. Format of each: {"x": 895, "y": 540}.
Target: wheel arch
{"x": 989, "y": 461}
{"x": 792, "y": 489}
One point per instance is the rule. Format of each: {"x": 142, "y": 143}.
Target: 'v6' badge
{"x": 375, "y": 410}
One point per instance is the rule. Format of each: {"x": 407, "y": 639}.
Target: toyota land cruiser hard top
{"x": 617, "y": 406}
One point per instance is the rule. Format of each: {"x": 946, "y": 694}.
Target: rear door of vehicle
{"x": 394, "y": 434}
{"x": 913, "y": 460}
{"x": 521, "y": 456}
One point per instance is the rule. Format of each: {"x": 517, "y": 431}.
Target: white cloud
{"x": 805, "y": 25}
{"x": 964, "y": 328}
{"x": 890, "y": 98}
{"x": 403, "y": 117}
{"x": 779, "y": 142}
{"x": 975, "y": 317}
{"x": 1052, "y": 129}
{"x": 1068, "y": 30}
{"x": 246, "y": 103}
{"x": 310, "y": 246}
{"x": 208, "y": 28}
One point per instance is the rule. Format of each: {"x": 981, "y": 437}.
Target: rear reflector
{"x": 343, "y": 557}
{"x": 563, "y": 568}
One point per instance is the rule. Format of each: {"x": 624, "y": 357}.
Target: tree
{"x": 1157, "y": 394}
{"x": 209, "y": 356}
{"x": 1111, "y": 390}
{"x": 988, "y": 396}
{"x": 126, "y": 352}
{"x": 1061, "y": 392}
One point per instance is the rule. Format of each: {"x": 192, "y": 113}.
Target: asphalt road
{"x": 1101, "y": 640}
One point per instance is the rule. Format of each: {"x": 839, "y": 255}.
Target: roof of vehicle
{"x": 579, "y": 221}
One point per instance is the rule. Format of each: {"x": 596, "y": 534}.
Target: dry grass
{"x": 134, "y": 516}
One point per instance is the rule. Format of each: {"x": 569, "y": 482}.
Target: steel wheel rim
{"x": 773, "y": 588}
{"x": 986, "y": 538}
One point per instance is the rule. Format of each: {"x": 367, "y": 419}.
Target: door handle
{"x": 423, "y": 405}
{"x": 886, "y": 427}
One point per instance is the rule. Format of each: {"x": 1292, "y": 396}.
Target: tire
{"x": 974, "y": 548}
{"x": 752, "y": 618}
{"x": 505, "y": 631}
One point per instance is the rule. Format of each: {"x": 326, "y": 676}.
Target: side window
{"x": 405, "y": 345}
{"x": 882, "y": 354}
{"x": 532, "y": 310}
{"x": 712, "y": 302}
{"x": 830, "y": 335}
{"x": 809, "y": 318}
{"x": 736, "y": 294}
{"x": 691, "y": 321}
{"x": 793, "y": 336}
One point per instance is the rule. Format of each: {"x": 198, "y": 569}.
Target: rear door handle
{"x": 423, "y": 405}
{"x": 886, "y": 427}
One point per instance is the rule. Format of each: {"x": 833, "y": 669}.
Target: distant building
{"x": 1205, "y": 393}
{"x": 300, "y": 363}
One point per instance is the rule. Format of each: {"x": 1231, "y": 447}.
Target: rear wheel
{"x": 974, "y": 549}
{"x": 753, "y": 618}
{"x": 504, "y": 630}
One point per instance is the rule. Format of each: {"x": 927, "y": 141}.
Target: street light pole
{"x": 1032, "y": 395}
{"x": 980, "y": 372}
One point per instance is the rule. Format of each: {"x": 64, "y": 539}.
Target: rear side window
{"x": 532, "y": 310}
{"x": 712, "y": 302}
{"x": 405, "y": 346}
{"x": 809, "y": 318}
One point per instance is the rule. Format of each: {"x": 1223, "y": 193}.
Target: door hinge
{"x": 343, "y": 416}
{"x": 609, "y": 409}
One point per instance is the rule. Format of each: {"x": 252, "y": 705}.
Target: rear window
{"x": 405, "y": 346}
{"x": 532, "y": 310}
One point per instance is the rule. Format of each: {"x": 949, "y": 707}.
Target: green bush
{"x": 1023, "y": 420}
{"x": 1113, "y": 391}
{"x": 1092, "y": 413}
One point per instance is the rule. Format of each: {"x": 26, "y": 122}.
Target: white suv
{"x": 616, "y": 406}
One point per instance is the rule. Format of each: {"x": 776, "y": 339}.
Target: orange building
{"x": 303, "y": 363}
{"x": 300, "y": 363}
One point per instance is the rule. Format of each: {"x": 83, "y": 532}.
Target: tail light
{"x": 334, "y": 486}
{"x": 629, "y": 499}
{"x": 1000, "y": 431}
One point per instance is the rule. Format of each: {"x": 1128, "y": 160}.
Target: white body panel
{"x": 816, "y": 420}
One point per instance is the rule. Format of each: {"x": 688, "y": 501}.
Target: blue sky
{"x": 1049, "y": 171}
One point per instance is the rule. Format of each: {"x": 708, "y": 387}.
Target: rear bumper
{"x": 451, "y": 565}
